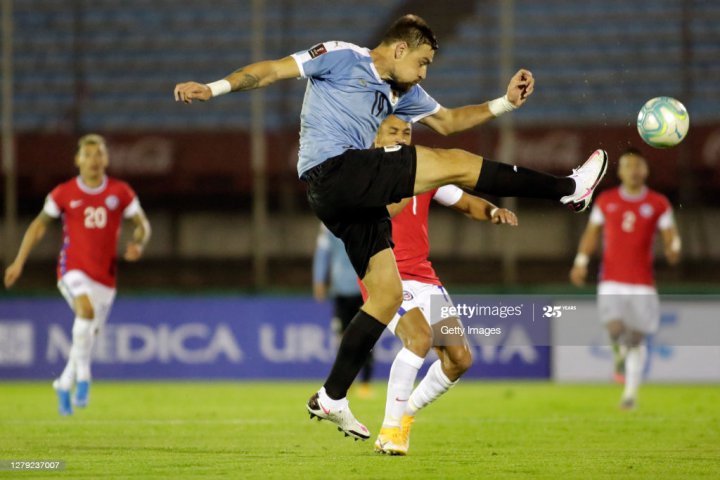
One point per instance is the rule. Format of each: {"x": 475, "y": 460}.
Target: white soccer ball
{"x": 663, "y": 122}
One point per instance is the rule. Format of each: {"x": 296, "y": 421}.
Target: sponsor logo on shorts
{"x": 407, "y": 296}
{"x": 112, "y": 202}
{"x": 317, "y": 50}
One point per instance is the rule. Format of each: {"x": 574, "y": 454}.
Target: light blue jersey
{"x": 346, "y": 100}
{"x": 331, "y": 261}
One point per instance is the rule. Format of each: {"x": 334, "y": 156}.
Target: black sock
{"x": 505, "y": 180}
{"x": 358, "y": 339}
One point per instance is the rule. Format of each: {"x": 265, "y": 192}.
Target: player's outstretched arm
{"x": 255, "y": 75}
{"x": 672, "y": 244}
{"x": 588, "y": 244}
{"x": 33, "y": 235}
{"x": 480, "y": 209}
{"x": 453, "y": 120}
{"x": 140, "y": 237}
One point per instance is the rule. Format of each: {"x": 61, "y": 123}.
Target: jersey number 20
{"x": 95, "y": 217}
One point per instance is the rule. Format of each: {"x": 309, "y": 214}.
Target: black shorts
{"x": 350, "y": 194}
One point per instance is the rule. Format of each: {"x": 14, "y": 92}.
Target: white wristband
{"x": 500, "y": 105}
{"x": 581, "y": 260}
{"x": 493, "y": 212}
{"x": 220, "y": 87}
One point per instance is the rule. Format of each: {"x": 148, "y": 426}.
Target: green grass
{"x": 260, "y": 430}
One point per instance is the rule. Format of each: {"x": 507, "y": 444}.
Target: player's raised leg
{"x": 437, "y": 167}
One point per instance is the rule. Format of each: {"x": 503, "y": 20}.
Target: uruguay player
{"x": 350, "y": 90}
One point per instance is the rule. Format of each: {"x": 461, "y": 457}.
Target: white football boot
{"x": 587, "y": 177}
{"x": 342, "y": 417}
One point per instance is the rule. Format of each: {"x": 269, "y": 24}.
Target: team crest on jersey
{"x": 317, "y": 50}
{"x": 112, "y": 202}
{"x": 407, "y": 296}
{"x": 646, "y": 210}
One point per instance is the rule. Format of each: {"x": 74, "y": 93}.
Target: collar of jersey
{"x": 374, "y": 71}
{"x": 92, "y": 191}
{"x": 633, "y": 198}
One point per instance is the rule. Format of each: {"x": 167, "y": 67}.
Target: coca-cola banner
{"x": 160, "y": 163}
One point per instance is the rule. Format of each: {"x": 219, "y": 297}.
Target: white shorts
{"x": 75, "y": 283}
{"x": 637, "y": 306}
{"x": 417, "y": 295}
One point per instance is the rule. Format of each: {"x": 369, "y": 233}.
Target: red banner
{"x": 158, "y": 164}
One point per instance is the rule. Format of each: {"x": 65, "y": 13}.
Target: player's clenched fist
{"x": 12, "y": 273}
{"x": 578, "y": 275}
{"x": 133, "y": 252}
{"x": 504, "y": 216}
{"x": 189, "y": 91}
{"x": 521, "y": 87}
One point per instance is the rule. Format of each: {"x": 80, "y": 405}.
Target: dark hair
{"x": 632, "y": 151}
{"x": 412, "y": 30}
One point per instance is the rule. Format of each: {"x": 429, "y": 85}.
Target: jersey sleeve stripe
{"x": 448, "y": 195}
{"x": 417, "y": 118}
{"x": 596, "y": 216}
{"x": 666, "y": 220}
{"x": 132, "y": 209}
{"x": 51, "y": 208}
{"x": 301, "y": 58}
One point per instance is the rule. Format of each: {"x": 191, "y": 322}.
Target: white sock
{"x": 634, "y": 363}
{"x": 83, "y": 337}
{"x": 331, "y": 403}
{"x": 67, "y": 377}
{"x": 400, "y": 384}
{"x": 430, "y": 389}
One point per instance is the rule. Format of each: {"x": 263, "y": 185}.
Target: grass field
{"x": 260, "y": 430}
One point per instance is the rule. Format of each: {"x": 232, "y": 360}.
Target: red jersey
{"x": 630, "y": 223}
{"x": 410, "y": 234}
{"x": 91, "y": 225}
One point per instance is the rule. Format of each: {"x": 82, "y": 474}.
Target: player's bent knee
{"x": 415, "y": 333}
{"x": 84, "y": 308}
{"x": 461, "y": 359}
{"x": 419, "y": 341}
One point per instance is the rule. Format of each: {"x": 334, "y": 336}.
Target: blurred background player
{"x": 333, "y": 274}
{"x": 628, "y": 303}
{"x": 91, "y": 206}
{"x": 412, "y": 324}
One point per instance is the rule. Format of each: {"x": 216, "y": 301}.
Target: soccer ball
{"x": 663, "y": 122}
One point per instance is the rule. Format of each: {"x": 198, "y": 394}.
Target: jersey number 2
{"x": 628, "y": 223}
{"x": 95, "y": 217}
